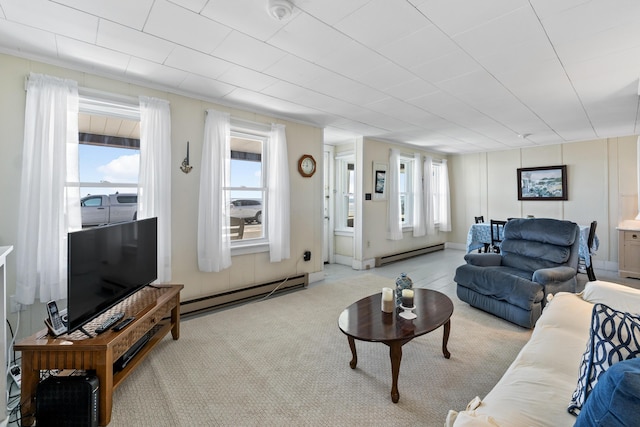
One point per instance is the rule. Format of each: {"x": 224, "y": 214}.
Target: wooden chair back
{"x": 592, "y": 235}
{"x": 237, "y": 228}
{"x": 497, "y": 231}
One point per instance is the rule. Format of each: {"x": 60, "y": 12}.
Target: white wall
{"x": 187, "y": 125}
{"x": 601, "y": 179}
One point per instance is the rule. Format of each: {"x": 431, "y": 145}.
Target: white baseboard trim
{"x": 316, "y": 276}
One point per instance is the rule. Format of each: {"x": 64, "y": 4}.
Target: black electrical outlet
{"x": 307, "y": 255}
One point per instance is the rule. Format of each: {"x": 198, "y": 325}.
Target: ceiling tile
{"x": 330, "y": 11}
{"x": 450, "y": 66}
{"x": 184, "y": 27}
{"x": 340, "y": 87}
{"x": 250, "y": 17}
{"x": 52, "y": 17}
{"x": 91, "y": 56}
{"x": 308, "y": 38}
{"x": 241, "y": 49}
{"x": 371, "y": 26}
{"x": 295, "y": 70}
{"x": 205, "y": 87}
{"x": 143, "y": 70}
{"x": 26, "y": 39}
{"x": 418, "y": 47}
{"x": 117, "y": 37}
{"x": 194, "y": 5}
{"x": 457, "y": 16}
{"x": 126, "y": 12}
{"x": 197, "y": 62}
{"x": 243, "y": 77}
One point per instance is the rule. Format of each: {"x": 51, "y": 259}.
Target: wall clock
{"x": 307, "y": 165}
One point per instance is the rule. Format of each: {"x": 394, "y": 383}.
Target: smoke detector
{"x": 280, "y": 9}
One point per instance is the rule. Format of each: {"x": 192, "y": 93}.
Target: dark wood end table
{"x": 364, "y": 320}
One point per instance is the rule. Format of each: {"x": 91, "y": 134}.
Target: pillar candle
{"x": 407, "y": 297}
{"x": 388, "y": 304}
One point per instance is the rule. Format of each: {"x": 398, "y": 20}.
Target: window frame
{"x": 407, "y": 163}
{"x": 436, "y": 172}
{"x": 341, "y": 224}
{"x": 249, "y": 130}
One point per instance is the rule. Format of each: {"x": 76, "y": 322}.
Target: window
{"x": 438, "y": 189}
{"x": 345, "y": 202}
{"x": 406, "y": 191}
{"x": 108, "y": 152}
{"x": 247, "y": 184}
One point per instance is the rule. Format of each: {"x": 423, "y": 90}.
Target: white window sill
{"x": 249, "y": 248}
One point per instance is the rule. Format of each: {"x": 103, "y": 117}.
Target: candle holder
{"x": 186, "y": 167}
{"x": 408, "y": 313}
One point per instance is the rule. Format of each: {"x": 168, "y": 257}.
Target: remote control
{"x": 120, "y": 326}
{"x": 109, "y": 323}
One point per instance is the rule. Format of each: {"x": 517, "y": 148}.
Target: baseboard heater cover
{"x": 224, "y": 299}
{"x": 386, "y": 259}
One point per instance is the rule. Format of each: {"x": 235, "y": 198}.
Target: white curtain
{"x": 419, "y": 228}
{"x": 394, "y": 228}
{"x": 154, "y": 183}
{"x": 444, "y": 203}
{"x": 278, "y": 199}
{"x": 214, "y": 243}
{"x": 429, "y": 196}
{"x": 48, "y": 208}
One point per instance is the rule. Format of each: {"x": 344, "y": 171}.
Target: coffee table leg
{"x": 395, "y": 351}
{"x": 352, "y": 346}
{"x": 445, "y": 339}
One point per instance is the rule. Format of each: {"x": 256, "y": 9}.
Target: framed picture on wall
{"x": 543, "y": 183}
{"x": 379, "y": 181}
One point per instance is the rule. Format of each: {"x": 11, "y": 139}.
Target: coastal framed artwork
{"x": 543, "y": 183}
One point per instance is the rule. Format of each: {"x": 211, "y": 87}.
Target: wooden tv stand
{"x": 156, "y": 309}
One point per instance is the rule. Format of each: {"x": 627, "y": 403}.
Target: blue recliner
{"x": 538, "y": 256}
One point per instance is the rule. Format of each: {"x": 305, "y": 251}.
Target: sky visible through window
{"x": 104, "y": 164}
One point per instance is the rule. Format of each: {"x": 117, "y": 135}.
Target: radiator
{"x": 198, "y": 305}
{"x": 386, "y": 259}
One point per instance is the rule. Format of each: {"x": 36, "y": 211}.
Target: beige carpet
{"x": 284, "y": 362}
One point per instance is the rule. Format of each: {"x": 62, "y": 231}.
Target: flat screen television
{"x": 107, "y": 264}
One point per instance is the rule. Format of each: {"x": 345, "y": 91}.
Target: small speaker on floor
{"x": 67, "y": 401}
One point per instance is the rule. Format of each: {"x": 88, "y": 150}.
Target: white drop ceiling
{"x": 452, "y": 76}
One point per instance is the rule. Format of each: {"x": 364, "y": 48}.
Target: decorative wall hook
{"x": 186, "y": 167}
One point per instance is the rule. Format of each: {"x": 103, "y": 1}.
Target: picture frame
{"x": 543, "y": 183}
{"x": 379, "y": 181}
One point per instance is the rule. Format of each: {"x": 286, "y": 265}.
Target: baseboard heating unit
{"x": 198, "y": 305}
{"x": 386, "y": 259}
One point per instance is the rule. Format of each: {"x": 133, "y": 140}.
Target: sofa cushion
{"x": 614, "y": 337}
{"x": 616, "y": 296}
{"x": 530, "y": 249}
{"x": 502, "y": 283}
{"x": 545, "y": 230}
{"x": 615, "y": 400}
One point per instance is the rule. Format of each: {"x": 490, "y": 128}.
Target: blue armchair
{"x": 538, "y": 256}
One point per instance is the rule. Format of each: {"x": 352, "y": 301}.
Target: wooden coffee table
{"x": 364, "y": 320}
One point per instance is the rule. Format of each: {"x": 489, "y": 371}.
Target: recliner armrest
{"x": 555, "y": 274}
{"x": 483, "y": 260}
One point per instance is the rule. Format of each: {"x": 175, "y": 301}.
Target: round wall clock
{"x": 307, "y": 165}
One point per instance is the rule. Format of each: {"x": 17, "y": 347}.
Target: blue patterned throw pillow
{"x": 614, "y": 336}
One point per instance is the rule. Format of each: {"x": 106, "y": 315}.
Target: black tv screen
{"x": 107, "y": 264}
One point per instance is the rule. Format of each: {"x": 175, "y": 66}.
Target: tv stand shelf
{"x": 156, "y": 309}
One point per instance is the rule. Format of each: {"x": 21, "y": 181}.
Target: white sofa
{"x": 537, "y": 388}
